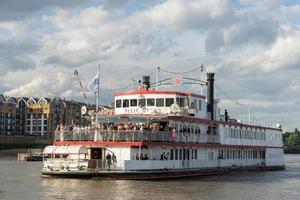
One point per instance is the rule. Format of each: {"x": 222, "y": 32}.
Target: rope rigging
{"x": 186, "y": 72}
{"x": 229, "y": 98}
{"x": 224, "y": 94}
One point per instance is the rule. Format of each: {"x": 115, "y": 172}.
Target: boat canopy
{"x": 65, "y": 150}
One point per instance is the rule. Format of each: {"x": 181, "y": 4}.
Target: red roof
{"x": 138, "y": 92}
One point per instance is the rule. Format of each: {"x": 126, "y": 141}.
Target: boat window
{"x": 118, "y": 103}
{"x": 185, "y": 102}
{"x": 169, "y": 102}
{"x": 125, "y": 103}
{"x": 179, "y": 101}
{"x": 150, "y": 102}
{"x": 160, "y": 102}
{"x": 133, "y": 102}
{"x": 194, "y": 104}
{"x": 200, "y": 105}
{"x": 176, "y": 154}
{"x": 196, "y": 154}
{"x": 263, "y": 154}
{"x": 180, "y": 154}
{"x": 142, "y": 102}
{"x": 171, "y": 154}
{"x": 182, "y": 102}
{"x": 192, "y": 154}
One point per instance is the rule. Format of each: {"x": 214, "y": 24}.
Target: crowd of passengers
{"x": 154, "y": 127}
{"x": 142, "y": 127}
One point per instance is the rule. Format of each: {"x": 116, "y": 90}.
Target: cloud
{"x": 16, "y": 10}
{"x": 41, "y": 85}
{"x": 253, "y": 48}
{"x": 283, "y": 53}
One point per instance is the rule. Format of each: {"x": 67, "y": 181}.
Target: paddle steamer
{"x": 154, "y": 134}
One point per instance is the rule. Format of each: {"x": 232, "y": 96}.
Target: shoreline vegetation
{"x": 291, "y": 142}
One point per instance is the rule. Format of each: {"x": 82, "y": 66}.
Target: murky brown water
{"x": 22, "y": 180}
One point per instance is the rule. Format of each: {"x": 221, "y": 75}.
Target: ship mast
{"x": 76, "y": 73}
{"x": 98, "y": 92}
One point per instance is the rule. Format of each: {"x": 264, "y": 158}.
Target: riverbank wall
{"x": 292, "y": 149}
{"x": 23, "y": 142}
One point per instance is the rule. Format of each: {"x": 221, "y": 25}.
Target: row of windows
{"x": 241, "y": 154}
{"x": 183, "y": 154}
{"x": 39, "y": 122}
{"x": 7, "y": 115}
{"x": 39, "y": 128}
{"x": 36, "y": 115}
{"x": 244, "y": 134}
{"x": 192, "y": 154}
{"x": 158, "y": 102}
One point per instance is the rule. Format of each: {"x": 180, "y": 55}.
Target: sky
{"x": 252, "y": 46}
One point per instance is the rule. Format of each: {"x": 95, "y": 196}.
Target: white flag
{"x": 94, "y": 84}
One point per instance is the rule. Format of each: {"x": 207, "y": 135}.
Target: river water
{"x": 22, "y": 180}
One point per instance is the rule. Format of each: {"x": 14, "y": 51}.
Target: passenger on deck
{"x": 108, "y": 161}
{"x": 61, "y": 127}
{"x": 142, "y": 129}
{"x": 163, "y": 156}
{"x": 114, "y": 160}
{"x": 167, "y": 156}
{"x": 76, "y": 132}
{"x": 146, "y": 157}
{"x": 174, "y": 135}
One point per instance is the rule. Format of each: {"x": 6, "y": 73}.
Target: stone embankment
{"x": 22, "y": 142}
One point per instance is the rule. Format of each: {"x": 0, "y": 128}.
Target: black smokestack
{"x": 146, "y": 82}
{"x": 210, "y": 94}
{"x": 226, "y": 115}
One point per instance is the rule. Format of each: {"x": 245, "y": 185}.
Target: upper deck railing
{"x": 261, "y": 124}
{"x": 135, "y": 136}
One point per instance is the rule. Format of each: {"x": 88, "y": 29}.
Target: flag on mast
{"x": 94, "y": 84}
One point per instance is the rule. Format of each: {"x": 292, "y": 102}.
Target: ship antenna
{"x": 201, "y": 78}
{"x": 157, "y": 78}
{"x": 98, "y": 91}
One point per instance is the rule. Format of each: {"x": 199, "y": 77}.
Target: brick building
{"x": 37, "y": 116}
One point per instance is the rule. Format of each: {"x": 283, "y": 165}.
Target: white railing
{"x": 65, "y": 164}
{"x": 57, "y": 164}
{"x": 261, "y": 123}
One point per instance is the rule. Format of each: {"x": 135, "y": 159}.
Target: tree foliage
{"x": 292, "y": 138}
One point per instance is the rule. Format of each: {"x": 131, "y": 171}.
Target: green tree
{"x": 293, "y": 139}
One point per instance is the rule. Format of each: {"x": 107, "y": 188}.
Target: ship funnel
{"x": 146, "y": 82}
{"x": 210, "y": 94}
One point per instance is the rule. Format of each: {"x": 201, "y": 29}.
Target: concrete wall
{"x": 20, "y": 142}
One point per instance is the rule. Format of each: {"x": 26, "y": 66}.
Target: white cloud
{"x": 250, "y": 46}
{"x": 283, "y": 53}
{"x": 41, "y": 85}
